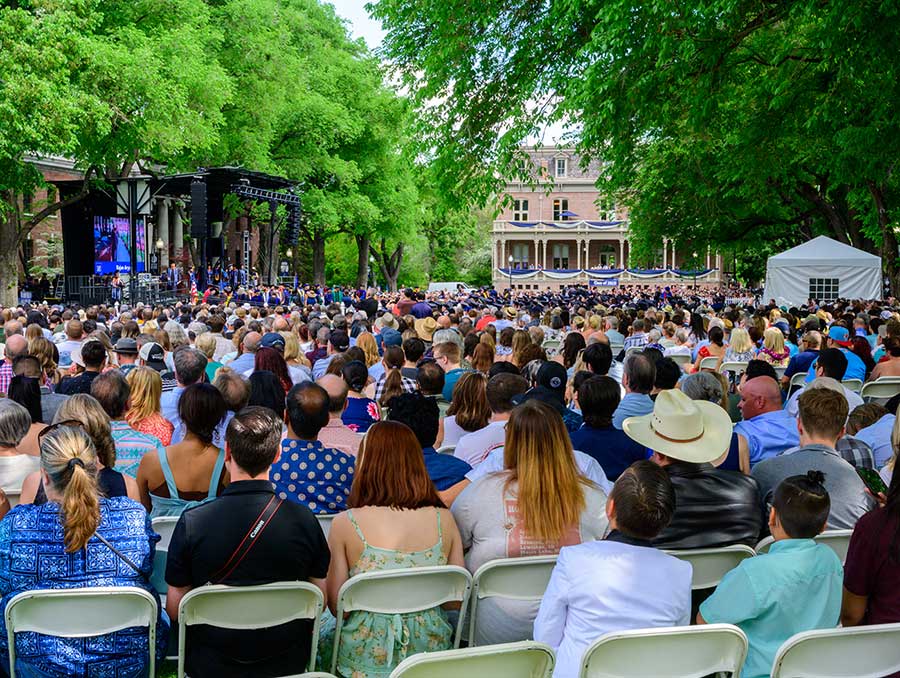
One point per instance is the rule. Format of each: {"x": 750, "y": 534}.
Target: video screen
{"x": 112, "y": 244}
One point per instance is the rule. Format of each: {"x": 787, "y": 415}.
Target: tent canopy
{"x": 822, "y": 268}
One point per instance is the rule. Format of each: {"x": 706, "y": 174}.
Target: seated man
{"x": 714, "y": 507}
{"x": 308, "y": 472}
{"x": 591, "y": 590}
{"x": 598, "y": 398}
{"x": 288, "y": 546}
{"x": 831, "y": 363}
{"x": 638, "y": 377}
{"x": 336, "y": 434}
{"x": 766, "y": 429}
{"x": 794, "y": 587}
{"x": 420, "y": 413}
{"x": 822, "y": 416}
{"x": 474, "y": 447}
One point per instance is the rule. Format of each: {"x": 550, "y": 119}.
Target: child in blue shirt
{"x": 795, "y": 587}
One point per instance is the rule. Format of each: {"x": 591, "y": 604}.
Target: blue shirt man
{"x": 612, "y": 449}
{"x": 632, "y": 405}
{"x": 767, "y": 429}
{"x": 445, "y": 470}
{"x": 839, "y": 337}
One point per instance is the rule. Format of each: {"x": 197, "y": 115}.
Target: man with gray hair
{"x": 638, "y": 377}
{"x": 249, "y": 346}
{"x": 15, "y": 346}
{"x": 190, "y": 368}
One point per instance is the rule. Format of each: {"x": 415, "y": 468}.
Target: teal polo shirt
{"x": 795, "y": 587}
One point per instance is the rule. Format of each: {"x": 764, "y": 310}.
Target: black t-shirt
{"x": 291, "y": 548}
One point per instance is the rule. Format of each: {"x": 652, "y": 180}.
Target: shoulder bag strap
{"x": 123, "y": 557}
{"x": 257, "y": 527}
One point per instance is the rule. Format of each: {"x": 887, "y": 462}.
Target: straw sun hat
{"x": 684, "y": 429}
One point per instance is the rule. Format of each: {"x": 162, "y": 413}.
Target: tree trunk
{"x": 318, "y": 257}
{"x": 9, "y": 261}
{"x": 889, "y": 243}
{"x": 362, "y": 261}
{"x": 389, "y": 264}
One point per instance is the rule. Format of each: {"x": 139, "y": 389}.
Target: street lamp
{"x": 372, "y": 270}
{"x": 695, "y": 271}
{"x": 509, "y": 270}
{"x": 159, "y": 248}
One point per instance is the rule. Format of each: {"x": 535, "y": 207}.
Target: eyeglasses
{"x": 53, "y": 427}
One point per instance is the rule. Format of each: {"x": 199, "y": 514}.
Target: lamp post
{"x": 372, "y": 271}
{"x": 159, "y": 248}
{"x": 695, "y": 271}
{"x": 509, "y": 271}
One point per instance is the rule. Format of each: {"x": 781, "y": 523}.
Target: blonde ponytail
{"x": 68, "y": 457}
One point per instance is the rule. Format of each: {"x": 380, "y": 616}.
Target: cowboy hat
{"x": 386, "y": 320}
{"x": 688, "y": 430}
{"x": 425, "y": 328}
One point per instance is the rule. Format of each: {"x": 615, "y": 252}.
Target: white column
{"x": 578, "y": 254}
{"x": 620, "y": 263}
{"x": 177, "y": 235}
{"x": 665, "y": 252}
{"x": 708, "y": 252}
{"x": 162, "y": 232}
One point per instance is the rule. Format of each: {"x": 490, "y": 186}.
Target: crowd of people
{"x": 449, "y": 428}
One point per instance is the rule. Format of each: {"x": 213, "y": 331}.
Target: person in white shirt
{"x": 473, "y": 448}
{"x": 621, "y": 582}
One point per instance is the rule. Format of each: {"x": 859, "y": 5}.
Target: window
{"x": 561, "y": 167}
{"x": 520, "y": 255}
{"x": 560, "y": 256}
{"x": 520, "y": 210}
{"x": 824, "y": 289}
{"x": 560, "y": 205}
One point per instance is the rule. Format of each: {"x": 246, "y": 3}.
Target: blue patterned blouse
{"x": 311, "y": 474}
{"x": 33, "y": 556}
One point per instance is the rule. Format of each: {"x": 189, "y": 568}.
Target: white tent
{"x": 823, "y": 269}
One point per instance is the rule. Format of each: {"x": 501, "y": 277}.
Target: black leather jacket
{"x": 712, "y": 508}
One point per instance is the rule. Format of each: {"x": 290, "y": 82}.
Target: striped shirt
{"x": 131, "y": 446}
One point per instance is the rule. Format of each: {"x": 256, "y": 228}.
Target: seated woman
{"x": 396, "y": 521}
{"x": 68, "y": 542}
{"x": 15, "y": 465}
{"x": 361, "y": 412}
{"x": 714, "y": 349}
{"x": 469, "y": 410}
{"x": 192, "y": 470}
{"x": 740, "y": 349}
{"x": 27, "y": 392}
{"x": 539, "y": 503}
{"x": 144, "y": 413}
{"x": 84, "y": 411}
{"x": 774, "y": 351}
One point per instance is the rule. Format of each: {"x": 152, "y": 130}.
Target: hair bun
{"x": 816, "y": 477}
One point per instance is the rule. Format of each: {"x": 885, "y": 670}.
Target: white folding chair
{"x": 250, "y": 607}
{"x": 164, "y": 527}
{"x": 681, "y": 359}
{"x": 709, "y": 363}
{"x": 13, "y": 496}
{"x": 780, "y": 372}
{"x": 325, "y": 520}
{"x": 526, "y": 659}
{"x": 858, "y": 651}
{"x": 880, "y": 389}
{"x": 736, "y": 366}
{"x": 710, "y": 565}
{"x": 798, "y": 379}
{"x": 837, "y": 540}
{"x": 447, "y": 449}
{"x": 81, "y": 613}
{"x": 668, "y": 652}
{"x": 512, "y": 579}
{"x": 854, "y": 385}
{"x": 403, "y": 591}
{"x": 616, "y": 349}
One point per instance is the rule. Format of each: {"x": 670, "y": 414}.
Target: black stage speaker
{"x": 215, "y": 248}
{"x": 198, "y": 208}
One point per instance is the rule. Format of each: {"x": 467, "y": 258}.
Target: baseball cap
{"x": 126, "y": 346}
{"x": 272, "y": 340}
{"x": 552, "y": 375}
{"x": 391, "y": 337}
{"x": 340, "y": 340}
{"x": 153, "y": 355}
{"x": 840, "y": 335}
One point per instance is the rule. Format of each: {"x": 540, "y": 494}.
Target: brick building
{"x": 572, "y": 234}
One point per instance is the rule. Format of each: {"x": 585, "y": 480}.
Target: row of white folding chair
{"x": 447, "y": 449}
{"x": 81, "y": 613}
{"x": 681, "y": 359}
{"x": 837, "y": 540}
{"x": 525, "y": 659}
{"x": 881, "y": 389}
{"x": 858, "y": 651}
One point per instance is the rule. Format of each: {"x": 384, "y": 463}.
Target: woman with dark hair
{"x": 192, "y": 470}
{"x": 361, "y": 412}
{"x": 469, "y": 410}
{"x": 482, "y": 357}
{"x": 396, "y": 520}
{"x": 267, "y": 390}
{"x": 861, "y": 347}
{"x": 270, "y": 360}
{"x": 698, "y": 330}
{"x": 872, "y": 567}
{"x": 504, "y": 344}
{"x": 714, "y": 349}
{"x": 27, "y": 392}
{"x": 573, "y": 344}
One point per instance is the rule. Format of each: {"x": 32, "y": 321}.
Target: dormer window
{"x": 561, "y": 167}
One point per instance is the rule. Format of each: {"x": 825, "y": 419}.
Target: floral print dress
{"x": 372, "y": 645}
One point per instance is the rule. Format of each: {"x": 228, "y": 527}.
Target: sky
{"x": 361, "y": 25}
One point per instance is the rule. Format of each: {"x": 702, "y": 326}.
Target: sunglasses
{"x": 53, "y": 427}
